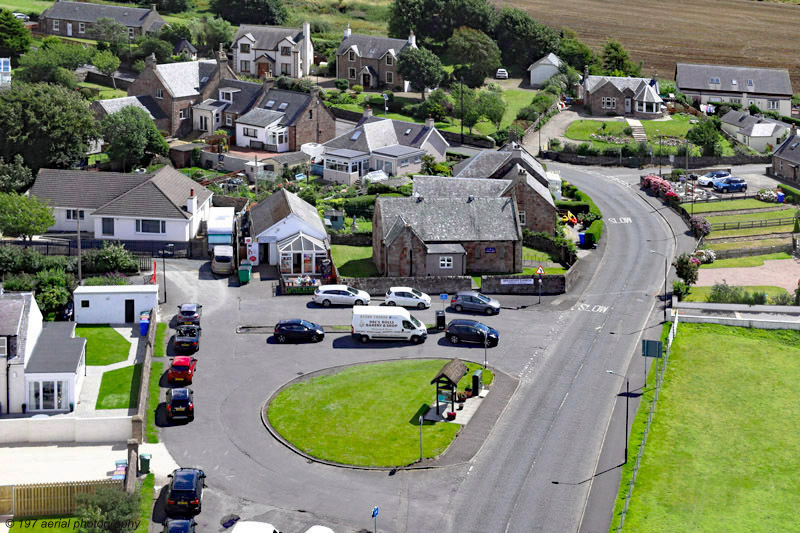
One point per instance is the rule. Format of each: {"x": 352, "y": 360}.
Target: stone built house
{"x": 786, "y": 158}
{"x": 273, "y": 51}
{"x": 75, "y": 19}
{"x": 372, "y": 61}
{"x": 421, "y": 236}
{"x": 285, "y": 120}
{"x": 768, "y": 88}
{"x": 222, "y": 109}
{"x": 103, "y": 108}
{"x": 620, "y": 96}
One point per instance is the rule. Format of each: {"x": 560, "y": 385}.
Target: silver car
{"x": 326, "y": 295}
{"x": 707, "y": 179}
{"x": 475, "y": 301}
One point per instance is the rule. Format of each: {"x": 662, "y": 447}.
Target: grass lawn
{"x": 119, "y": 389}
{"x": 532, "y": 254}
{"x": 98, "y": 158}
{"x": 46, "y": 524}
{"x": 720, "y": 455}
{"x": 748, "y": 261}
{"x": 758, "y": 215}
{"x": 730, "y": 205}
{"x": 364, "y": 415}
{"x": 146, "y": 503}
{"x": 786, "y": 228}
{"x": 580, "y": 130}
{"x": 160, "y": 346}
{"x": 105, "y": 92}
{"x": 677, "y": 127}
{"x": 748, "y": 244}
{"x": 699, "y": 294}
{"x": 104, "y": 345}
{"x": 354, "y": 261}
{"x": 153, "y": 399}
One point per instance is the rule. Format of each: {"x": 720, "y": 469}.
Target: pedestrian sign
{"x": 540, "y": 270}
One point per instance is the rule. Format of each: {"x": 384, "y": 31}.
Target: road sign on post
{"x": 375, "y": 511}
{"x": 650, "y": 349}
{"x": 443, "y": 297}
{"x": 540, "y": 287}
{"x": 540, "y": 270}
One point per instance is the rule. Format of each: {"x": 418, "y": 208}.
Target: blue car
{"x": 730, "y": 184}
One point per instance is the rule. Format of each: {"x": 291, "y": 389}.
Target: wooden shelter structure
{"x": 447, "y": 381}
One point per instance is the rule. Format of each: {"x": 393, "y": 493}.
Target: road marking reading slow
{"x": 589, "y": 308}
{"x": 620, "y": 220}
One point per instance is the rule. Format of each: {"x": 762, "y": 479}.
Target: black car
{"x": 180, "y": 404}
{"x": 179, "y": 525}
{"x": 297, "y": 329}
{"x": 189, "y": 314}
{"x": 187, "y": 338}
{"x": 185, "y": 492}
{"x": 471, "y": 331}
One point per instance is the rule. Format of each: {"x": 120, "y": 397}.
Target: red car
{"x": 182, "y": 369}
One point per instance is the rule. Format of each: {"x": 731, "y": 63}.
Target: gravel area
{"x": 779, "y": 273}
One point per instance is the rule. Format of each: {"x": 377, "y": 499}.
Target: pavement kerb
{"x": 428, "y": 464}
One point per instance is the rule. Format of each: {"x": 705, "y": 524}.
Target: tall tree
{"x": 107, "y": 63}
{"x": 492, "y": 106}
{"x": 108, "y": 30}
{"x": 175, "y": 32}
{"x": 170, "y": 6}
{"x": 14, "y": 175}
{"x": 476, "y": 49}
{"x": 465, "y": 105}
{"x": 24, "y": 216}
{"x": 132, "y": 137}
{"x": 476, "y": 14}
{"x": 149, "y": 44}
{"x": 215, "y": 31}
{"x": 524, "y": 40}
{"x": 421, "y": 68}
{"x": 251, "y": 11}
{"x": 576, "y": 54}
{"x": 15, "y": 39}
{"x": 420, "y": 16}
{"x": 49, "y": 125}
{"x": 706, "y": 135}
{"x": 616, "y": 60}
{"x": 53, "y": 62}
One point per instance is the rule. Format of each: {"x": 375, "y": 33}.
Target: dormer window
{"x": 749, "y": 83}
{"x": 286, "y": 50}
{"x": 244, "y": 48}
{"x": 734, "y": 82}
{"x": 712, "y": 80}
{"x": 226, "y": 96}
{"x": 389, "y": 60}
{"x": 351, "y": 55}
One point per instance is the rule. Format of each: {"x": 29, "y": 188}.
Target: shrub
{"x": 756, "y": 298}
{"x": 113, "y": 257}
{"x": 585, "y": 149}
{"x": 527, "y": 113}
{"x": 680, "y": 289}
{"x": 686, "y": 268}
{"x": 111, "y": 508}
{"x": 700, "y": 226}
{"x": 53, "y": 277}
{"x": 389, "y": 95}
{"x": 796, "y": 228}
{"x": 320, "y": 26}
{"x": 706, "y": 256}
{"x": 782, "y": 298}
{"x": 360, "y": 206}
{"x": 112, "y": 278}
{"x": 627, "y": 131}
{"x": 656, "y": 184}
{"x": 596, "y": 230}
{"x": 342, "y": 85}
{"x": 358, "y": 89}
{"x": 767, "y": 196}
{"x": 52, "y": 298}
{"x": 20, "y": 282}
{"x": 555, "y": 144}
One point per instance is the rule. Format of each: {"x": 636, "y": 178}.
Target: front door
{"x": 69, "y": 29}
{"x": 129, "y": 313}
{"x": 365, "y": 80}
{"x": 203, "y": 123}
{"x": 264, "y": 70}
{"x": 627, "y": 105}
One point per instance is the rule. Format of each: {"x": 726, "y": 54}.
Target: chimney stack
{"x": 222, "y": 57}
{"x": 268, "y": 83}
{"x": 347, "y": 31}
{"x": 150, "y": 61}
{"x": 793, "y": 131}
{"x": 191, "y": 202}
{"x": 367, "y": 112}
{"x": 429, "y": 122}
{"x": 306, "y": 30}
{"x": 412, "y": 39}
{"x": 153, "y": 8}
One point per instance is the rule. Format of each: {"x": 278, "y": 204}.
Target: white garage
{"x": 113, "y": 304}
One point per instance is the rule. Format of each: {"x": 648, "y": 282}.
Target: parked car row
{"x": 179, "y": 402}
{"x": 721, "y": 181}
{"x": 327, "y": 295}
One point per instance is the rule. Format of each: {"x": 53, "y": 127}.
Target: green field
{"x": 353, "y": 261}
{"x": 104, "y": 345}
{"x": 699, "y": 294}
{"x": 119, "y": 389}
{"x": 721, "y": 453}
{"x": 366, "y": 415}
{"x": 747, "y": 244}
{"x": 727, "y": 205}
{"x": 758, "y": 215}
{"x": 785, "y": 228}
{"x": 748, "y": 261}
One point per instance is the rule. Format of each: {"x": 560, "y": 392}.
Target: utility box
{"x": 477, "y": 382}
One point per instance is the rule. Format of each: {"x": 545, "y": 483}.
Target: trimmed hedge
{"x": 792, "y": 195}
{"x": 596, "y": 229}
{"x": 574, "y": 206}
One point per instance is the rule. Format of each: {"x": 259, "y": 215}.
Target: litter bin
{"x": 582, "y": 239}
{"x": 440, "y": 320}
{"x": 144, "y": 463}
{"x": 245, "y": 272}
{"x": 588, "y": 240}
{"x": 144, "y": 324}
{"x": 780, "y": 197}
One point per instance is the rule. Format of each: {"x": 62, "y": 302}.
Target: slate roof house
{"x": 233, "y": 98}
{"x": 394, "y": 146}
{"x": 285, "y": 120}
{"x": 544, "y": 69}
{"x": 186, "y": 48}
{"x": 290, "y": 234}
{"x": 445, "y": 236}
{"x": 619, "y": 96}
{"x": 768, "y": 88}
{"x": 786, "y": 158}
{"x": 161, "y": 206}
{"x": 41, "y": 363}
{"x": 371, "y": 61}
{"x": 757, "y": 132}
{"x": 103, "y": 108}
{"x": 75, "y": 19}
{"x": 273, "y": 51}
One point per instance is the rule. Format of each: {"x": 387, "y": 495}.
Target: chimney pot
{"x": 412, "y": 39}
{"x": 347, "y": 31}
{"x": 429, "y": 122}
{"x": 191, "y": 192}
{"x": 153, "y": 7}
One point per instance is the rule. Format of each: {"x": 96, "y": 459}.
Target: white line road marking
{"x": 620, "y": 220}
{"x": 589, "y": 308}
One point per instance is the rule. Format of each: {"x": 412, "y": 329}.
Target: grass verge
{"x": 728, "y": 205}
{"x": 377, "y": 407}
{"x": 153, "y": 399}
{"x": 747, "y": 261}
{"x": 699, "y": 294}
{"x": 354, "y": 261}
{"x": 160, "y": 346}
{"x": 119, "y": 389}
{"x": 146, "y": 503}
{"x": 104, "y": 345}
{"x": 719, "y": 456}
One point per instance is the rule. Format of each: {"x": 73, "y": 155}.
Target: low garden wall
{"x": 66, "y": 429}
{"x": 525, "y": 284}
{"x": 102, "y": 79}
{"x": 745, "y": 252}
{"x": 231, "y": 163}
{"x": 351, "y": 239}
{"x": 433, "y": 285}
{"x": 139, "y": 420}
{"x": 346, "y": 114}
{"x": 640, "y": 161}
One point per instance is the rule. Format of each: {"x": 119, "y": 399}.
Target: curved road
{"x": 552, "y": 430}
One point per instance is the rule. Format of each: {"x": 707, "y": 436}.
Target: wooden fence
{"x": 751, "y": 224}
{"x": 47, "y": 499}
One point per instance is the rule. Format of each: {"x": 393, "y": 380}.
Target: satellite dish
{"x": 312, "y": 149}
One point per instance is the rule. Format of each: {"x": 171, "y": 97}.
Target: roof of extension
{"x": 57, "y": 351}
{"x": 374, "y": 133}
{"x": 790, "y": 149}
{"x": 268, "y": 37}
{"x": 146, "y": 103}
{"x": 371, "y": 46}
{"x": 280, "y": 205}
{"x": 245, "y": 95}
{"x": 699, "y": 77}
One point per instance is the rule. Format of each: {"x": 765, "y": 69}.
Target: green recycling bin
{"x": 144, "y": 463}
{"x": 245, "y": 273}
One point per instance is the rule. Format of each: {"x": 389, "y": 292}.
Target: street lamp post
{"x": 164, "y": 267}
{"x": 627, "y": 398}
{"x": 666, "y": 269}
{"x": 420, "y": 439}
{"x": 485, "y": 346}
{"x": 462, "y": 109}
{"x": 659, "y": 152}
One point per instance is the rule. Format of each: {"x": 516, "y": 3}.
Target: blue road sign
{"x": 443, "y": 296}
{"x": 375, "y": 512}
{"x": 221, "y": 157}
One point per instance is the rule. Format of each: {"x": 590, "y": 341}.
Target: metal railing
{"x": 659, "y": 378}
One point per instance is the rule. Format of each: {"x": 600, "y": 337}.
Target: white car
{"x": 319, "y": 529}
{"x": 22, "y": 16}
{"x": 501, "y": 74}
{"x": 707, "y": 179}
{"x": 248, "y": 526}
{"x": 407, "y": 297}
{"x": 326, "y": 295}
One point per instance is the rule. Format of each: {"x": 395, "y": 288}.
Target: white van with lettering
{"x": 387, "y": 323}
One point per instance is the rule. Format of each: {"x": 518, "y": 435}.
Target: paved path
{"x": 777, "y": 272}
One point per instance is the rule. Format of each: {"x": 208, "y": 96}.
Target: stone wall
{"x": 102, "y": 79}
{"x": 232, "y": 163}
{"x": 641, "y": 161}
{"x": 551, "y": 284}
{"x": 432, "y": 285}
{"x": 472, "y": 140}
{"x": 351, "y": 239}
{"x": 139, "y": 420}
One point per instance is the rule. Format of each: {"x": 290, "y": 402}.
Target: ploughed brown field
{"x": 662, "y": 33}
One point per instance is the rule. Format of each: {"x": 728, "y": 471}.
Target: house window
{"x": 751, "y": 102}
{"x": 351, "y": 73}
{"x": 736, "y": 100}
{"x": 749, "y": 83}
{"x": 244, "y": 48}
{"x": 339, "y": 166}
{"x": 3, "y": 346}
{"x": 609, "y": 103}
{"x": 285, "y": 69}
{"x": 310, "y": 114}
{"x": 285, "y": 51}
{"x": 350, "y": 55}
{"x": 404, "y": 162}
{"x": 84, "y": 303}
{"x": 131, "y": 33}
{"x": 228, "y": 120}
{"x": 108, "y": 226}
{"x": 417, "y": 158}
{"x": 390, "y": 77}
{"x": 151, "y": 226}
{"x": 182, "y": 114}
{"x": 780, "y": 164}
{"x": 72, "y": 214}
{"x": 522, "y": 217}
{"x": 446, "y": 261}
{"x": 160, "y": 93}
{"x": 773, "y": 104}
{"x": 55, "y": 25}
{"x": 226, "y": 96}
{"x": 244, "y": 66}
{"x": 81, "y": 27}
{"x": 249, "y": 132}
{"x": 389, "y": 60}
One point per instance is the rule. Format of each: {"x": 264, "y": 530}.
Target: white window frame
{"x": 445, "y": 262}
{"x": 250, "y": 132}
{"x": 286, "y": 51}
{"x": 389, "y": 60}
{"x": 73, "y": 214}
{"x": 226, "y": 96}
{"x": 103, "y": 227}
{"x": 351, "y": 73}
{"x": 417, "y": 159}
{"x": 3, "y": 346}
{"x": 390, "y": 77}
{"x": 774, "y": 105}
{"x": 351, "y": 55}
{"x": 56, "y": 25}
{"x": 609, "y": 102}
{"x": 159, "y": 94}
{"x": 131, "y": 33}
{"x": 228, "y": 120}
{"x": 81, "y": 27}
{"x": 162, "y": 226}
{"x": 242, "y": 49}
{"x": 404, "y": 162}
{"x": 522, "y": 218}
{"x": 182, "y": 113}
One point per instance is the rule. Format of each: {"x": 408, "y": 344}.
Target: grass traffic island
{"x": 721, "y": 454}
{"x": 366, "y": 415}
{"x": 119, "y": 389}
{"x": 104, "y": 345}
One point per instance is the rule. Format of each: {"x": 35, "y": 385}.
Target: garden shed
{"x": 113, "y": 304}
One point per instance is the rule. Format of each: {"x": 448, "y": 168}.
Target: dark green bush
{"x": 577, "y": 208}
{"x": 342, "y": 85}
{"x": 19, "y": 282}
{"x": 360, "y": 206}
{"x": 596, "y": 230}
{"x": 680, "y": 289}
{"x": 113, "y": 278}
